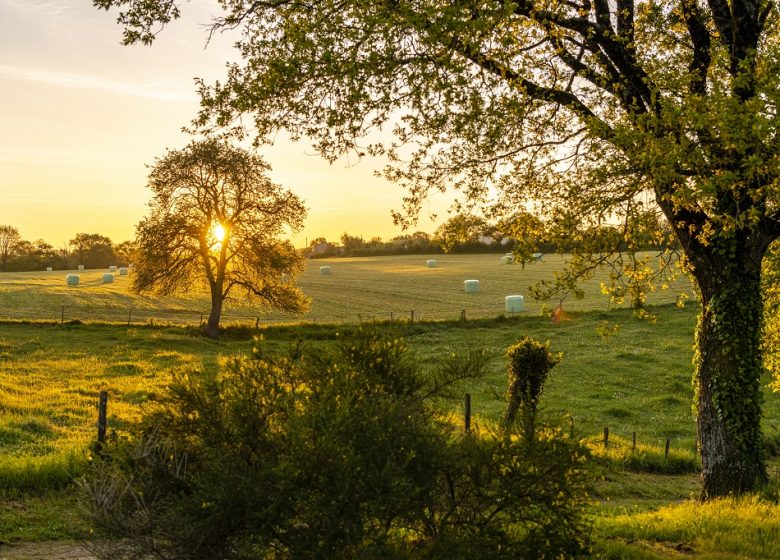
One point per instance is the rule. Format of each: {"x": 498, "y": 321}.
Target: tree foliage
{"x": 589, "y": 112}
{"x": 214, "y": 221}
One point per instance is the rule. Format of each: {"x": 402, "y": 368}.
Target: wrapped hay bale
{"x": 471, "y": 286}
{"x": 72, "y": 279}
{"x": 108, "y": 278}
{"x": 325, "y": 271}
{"x": 514, "y": 304}
{"x": 431, "y": 263}
{"x": 123, "y": 271}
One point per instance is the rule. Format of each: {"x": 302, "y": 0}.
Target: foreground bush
{"x": 333, "y": 456}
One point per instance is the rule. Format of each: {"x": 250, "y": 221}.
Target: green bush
{"x": 333, "y": 455}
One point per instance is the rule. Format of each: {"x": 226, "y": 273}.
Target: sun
{"x": 218, "y": 236}
{"x": 219, "y": 232}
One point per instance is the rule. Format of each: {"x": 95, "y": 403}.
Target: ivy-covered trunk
{"x": 727, "y": 372}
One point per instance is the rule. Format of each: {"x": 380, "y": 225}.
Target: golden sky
{"x": 81, "y": 116}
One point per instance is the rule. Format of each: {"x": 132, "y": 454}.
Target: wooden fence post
{"x": 129, "y": 315}
{"x": 412, "y": 315}
{"x": 606, "y": 437}
{"x": 462, "y": 314}
{"x": 666, "y": 449}
{"x": 571, "y": 427}
{"x": 102, "y": 409}
{"x": 633, "y": 441}
{"x": 62, "y": 314}
{"x": 467, "y": 413}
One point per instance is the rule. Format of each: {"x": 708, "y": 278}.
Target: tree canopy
{"x": 587, "y": 111}
{"x": 215, "y": 220}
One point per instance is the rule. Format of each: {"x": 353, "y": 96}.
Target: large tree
{"x": 590, "y": 110}
{"x": 9, "y": 238}
{"x": 93, "y": 250}
{"x": 215, "y": 220}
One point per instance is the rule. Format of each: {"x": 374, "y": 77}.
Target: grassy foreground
{"x": 636, "y": 380}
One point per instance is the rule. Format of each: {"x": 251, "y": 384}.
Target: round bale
{"x": 123, "y": 271}
{"x": 325, "y": 270}
{"x": 49, "y": 269}
{"x": 514, "y": 304}
{"x": 72, "y": 279}
{"x": 431, "y": 263}
{"x": 108, "y": 278}
{"x": 112, "y": 268}
{"x": 471, "y": 286}
{"x": 81, "y": 267}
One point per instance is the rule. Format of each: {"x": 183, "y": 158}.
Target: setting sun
{"x": 219, "y": 232}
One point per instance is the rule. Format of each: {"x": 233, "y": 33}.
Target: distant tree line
{"x": 89, "y": 249}
{"x": 523, "y": 233}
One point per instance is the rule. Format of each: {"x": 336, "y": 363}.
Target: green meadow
{"x": 620, "y": 372}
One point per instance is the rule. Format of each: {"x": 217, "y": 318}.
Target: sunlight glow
{"x": 219, "y": 232}
{"x": 218, "y": 236}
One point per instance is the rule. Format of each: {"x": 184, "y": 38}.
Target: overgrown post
{"x": 529, "y": 365}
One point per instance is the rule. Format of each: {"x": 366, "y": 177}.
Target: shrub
{"x": 337, "y": 454}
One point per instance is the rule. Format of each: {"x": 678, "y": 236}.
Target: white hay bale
{"x": 514, "y": 304}
{"x": 81, "y": 267}
{"x": 49, "y": 269}
{"x": 112, "y": 268}
{"x": 123, "y": 271}
{"x": 325, "y": 270}
{"x": 72, "y": 279}
{"x": 108, "y": 278}
{"x": 431, "y": 263}
{"x": 507, "y": 259}
{"x": 471, "y": 286}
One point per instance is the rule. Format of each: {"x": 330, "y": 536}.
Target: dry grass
{"x": 357, "y": 289}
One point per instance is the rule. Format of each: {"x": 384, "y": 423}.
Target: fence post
{"x": 666, "y": 449}
{"x": 62, "y": 314}
{"x": 462, "y": 314}
{"x": 412, "y": 315}
{"x": 633, "y": 441}
{"x": 606, "y": 436}
{"x": 102, "y": 408}
{"x": 571, "y": 427}
{"x": 467, "y": 413}
{"x": 129, "y": 315}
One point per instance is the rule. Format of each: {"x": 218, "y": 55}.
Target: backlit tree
{"x": 215, "y": 220}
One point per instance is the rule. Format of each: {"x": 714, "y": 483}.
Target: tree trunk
{"x": 212, "y": 326}
{"x": 727, "y": 374}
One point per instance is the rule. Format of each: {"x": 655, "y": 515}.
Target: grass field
{"x": 635, "y": 380}
{"x": 358, "y": 288}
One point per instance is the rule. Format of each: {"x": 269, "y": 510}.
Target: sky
{"x": 82, "y": 116}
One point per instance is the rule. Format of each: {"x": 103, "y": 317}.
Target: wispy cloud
{"x": 87, "y": 81}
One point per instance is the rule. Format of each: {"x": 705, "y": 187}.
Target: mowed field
{"x": 358, "y": 289}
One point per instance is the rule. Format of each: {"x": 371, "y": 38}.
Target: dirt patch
{"x": 45, "y": 551}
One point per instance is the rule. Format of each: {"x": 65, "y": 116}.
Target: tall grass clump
{"x": 335, "y": 454}
{"x": 40, "y": 474}
{"x": 724, "y": 528}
